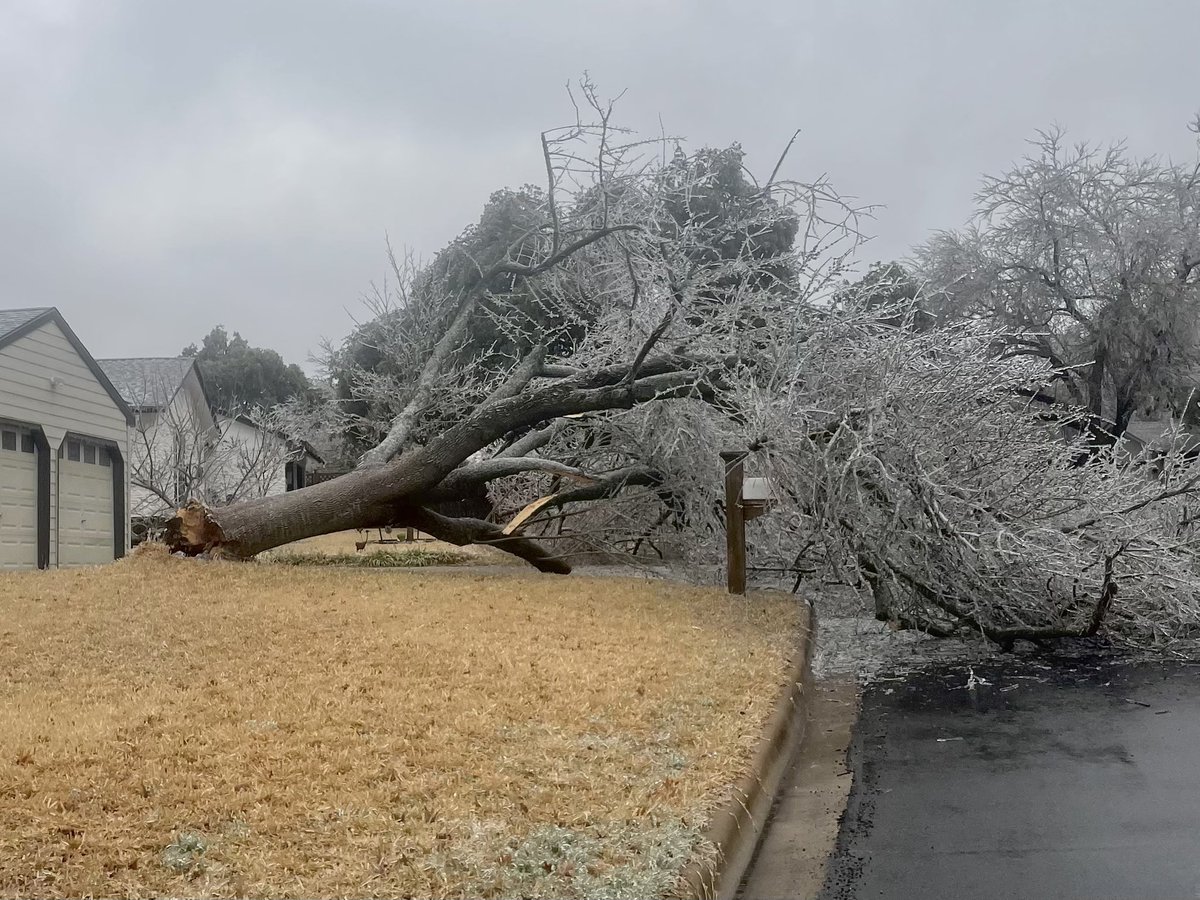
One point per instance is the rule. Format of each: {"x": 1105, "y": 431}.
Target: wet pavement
{"x": 1024, "y": 779}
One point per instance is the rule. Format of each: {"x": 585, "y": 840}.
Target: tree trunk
{"x": 399, "y": 492}
{"x": 1100, "y": 431}
{"x": 371, "y": 498}
{"x": 364, "y": 498}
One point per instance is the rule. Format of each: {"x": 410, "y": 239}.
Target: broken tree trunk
{"x": 245, "y": 529}
{"x": 399, "y": 492}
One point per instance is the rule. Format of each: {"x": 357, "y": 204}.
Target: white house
{"x": 64, "y": 442}
{"x": 257, "y": 461}
{"x": 174, "y": 431}
{"x": 181, "y": 449}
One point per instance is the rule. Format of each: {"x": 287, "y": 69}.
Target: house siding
{"x": 78, "y": 404}
{"x": 255, "y": 443}
{"x": 250, "y": 439}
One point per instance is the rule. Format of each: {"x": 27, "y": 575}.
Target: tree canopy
{"x": 1088, "y": 258}
{"x": 891, "y": 290}
{"x": 710, "y": 206}
{"x": 239, "y": 376}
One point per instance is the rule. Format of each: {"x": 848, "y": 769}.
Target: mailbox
{"x": 745, "y": 499}
{"x": 757, "y": 497}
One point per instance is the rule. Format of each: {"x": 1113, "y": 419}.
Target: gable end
{"x": 53, "y": 315}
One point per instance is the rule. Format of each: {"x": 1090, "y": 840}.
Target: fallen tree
{"x": 379, "y": 494}
{"x": 637, "y": 278}
{"x": 585, "y": 352}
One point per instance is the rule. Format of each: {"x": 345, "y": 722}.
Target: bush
{"x": 412, "y": 558}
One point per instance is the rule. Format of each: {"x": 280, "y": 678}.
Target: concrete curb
{"x": 738, "y": 826}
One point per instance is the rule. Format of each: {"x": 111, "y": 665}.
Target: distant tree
{"x": 1089, "y": 259}
{"x": 238, "y": 376}
{"x": 180, "y": 452}
{"x": 891, "y": 290}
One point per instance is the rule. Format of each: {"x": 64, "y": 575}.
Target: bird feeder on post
{"x": 745, "y": 499}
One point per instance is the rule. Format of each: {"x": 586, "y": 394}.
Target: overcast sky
{"x": 168, "y": 166}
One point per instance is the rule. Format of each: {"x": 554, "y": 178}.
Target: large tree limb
{"x": 401, "y": 428}
{"x": 608, "y": 485}
{"x": 524, "y": 373}
{"x": 562, "y": 398}
{"x": 464, "y": 531}
{"x": 534, "y": 440}
{"x": 400, "y": 431}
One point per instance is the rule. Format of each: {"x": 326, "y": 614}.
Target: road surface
{"x": 1027, "y": 780}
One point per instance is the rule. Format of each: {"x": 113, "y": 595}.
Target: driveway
{"x": 1024, "y": 780}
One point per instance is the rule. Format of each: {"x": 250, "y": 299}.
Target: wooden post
{"x": 735, "y": 522}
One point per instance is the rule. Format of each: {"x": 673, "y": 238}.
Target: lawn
{"x": 177, "y": 727}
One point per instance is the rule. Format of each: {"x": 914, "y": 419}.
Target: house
{"x": 64, "y": 443}
{"x": 181, "y": 449}
{"x": 174, "y": 431}
{"x": 1154, "y": 435}
{"x": 258, "y": 461}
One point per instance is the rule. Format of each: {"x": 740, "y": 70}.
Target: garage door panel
{"x": 18, "y": 499}
{"x": 85, "y": 509}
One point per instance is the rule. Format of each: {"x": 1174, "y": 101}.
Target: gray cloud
{"x": 167, "y": 166}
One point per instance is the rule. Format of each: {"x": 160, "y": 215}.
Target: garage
{"x": 18, "y": 497}
{"x": 64, "y": 438}
{"x": 85, "y": 511}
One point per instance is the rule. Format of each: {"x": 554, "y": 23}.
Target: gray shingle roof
{"x": 12, "y": 319}
{"x": 147, "y": 382}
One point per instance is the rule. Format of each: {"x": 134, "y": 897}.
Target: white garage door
{"x": 18, "y": 498}
{"x": 85, "y": 506}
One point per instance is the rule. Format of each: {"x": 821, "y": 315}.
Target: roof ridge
{"x": 17, "y": 323}
{"x": 132, "y": 358}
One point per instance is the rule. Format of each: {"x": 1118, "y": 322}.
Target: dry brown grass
{"x": 176, "y": 727}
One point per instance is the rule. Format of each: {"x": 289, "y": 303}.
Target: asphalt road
{"x": 1074, "y": 780}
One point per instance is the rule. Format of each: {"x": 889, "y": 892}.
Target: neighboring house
{"x": 257, "y": 461}
{"x": 182, "y": 450}
{"x": 174, "y": 432}
{"x": 64, "y": 443}
{"x": 1154, "y": 435}
{"x": 1147, "y": 435}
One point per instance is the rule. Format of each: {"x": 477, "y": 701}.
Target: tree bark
{"x": 365, "y": 498}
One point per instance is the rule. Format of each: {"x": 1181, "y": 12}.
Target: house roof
{"x": 1158, "y": 432}
{"x": 1147, "y": 430}
{"x": 13, "y": 319}
{"x": 16, "y": 323}
{"x": 148, "y": 382}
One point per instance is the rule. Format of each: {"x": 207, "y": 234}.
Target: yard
{"x": 175, "y": 727}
